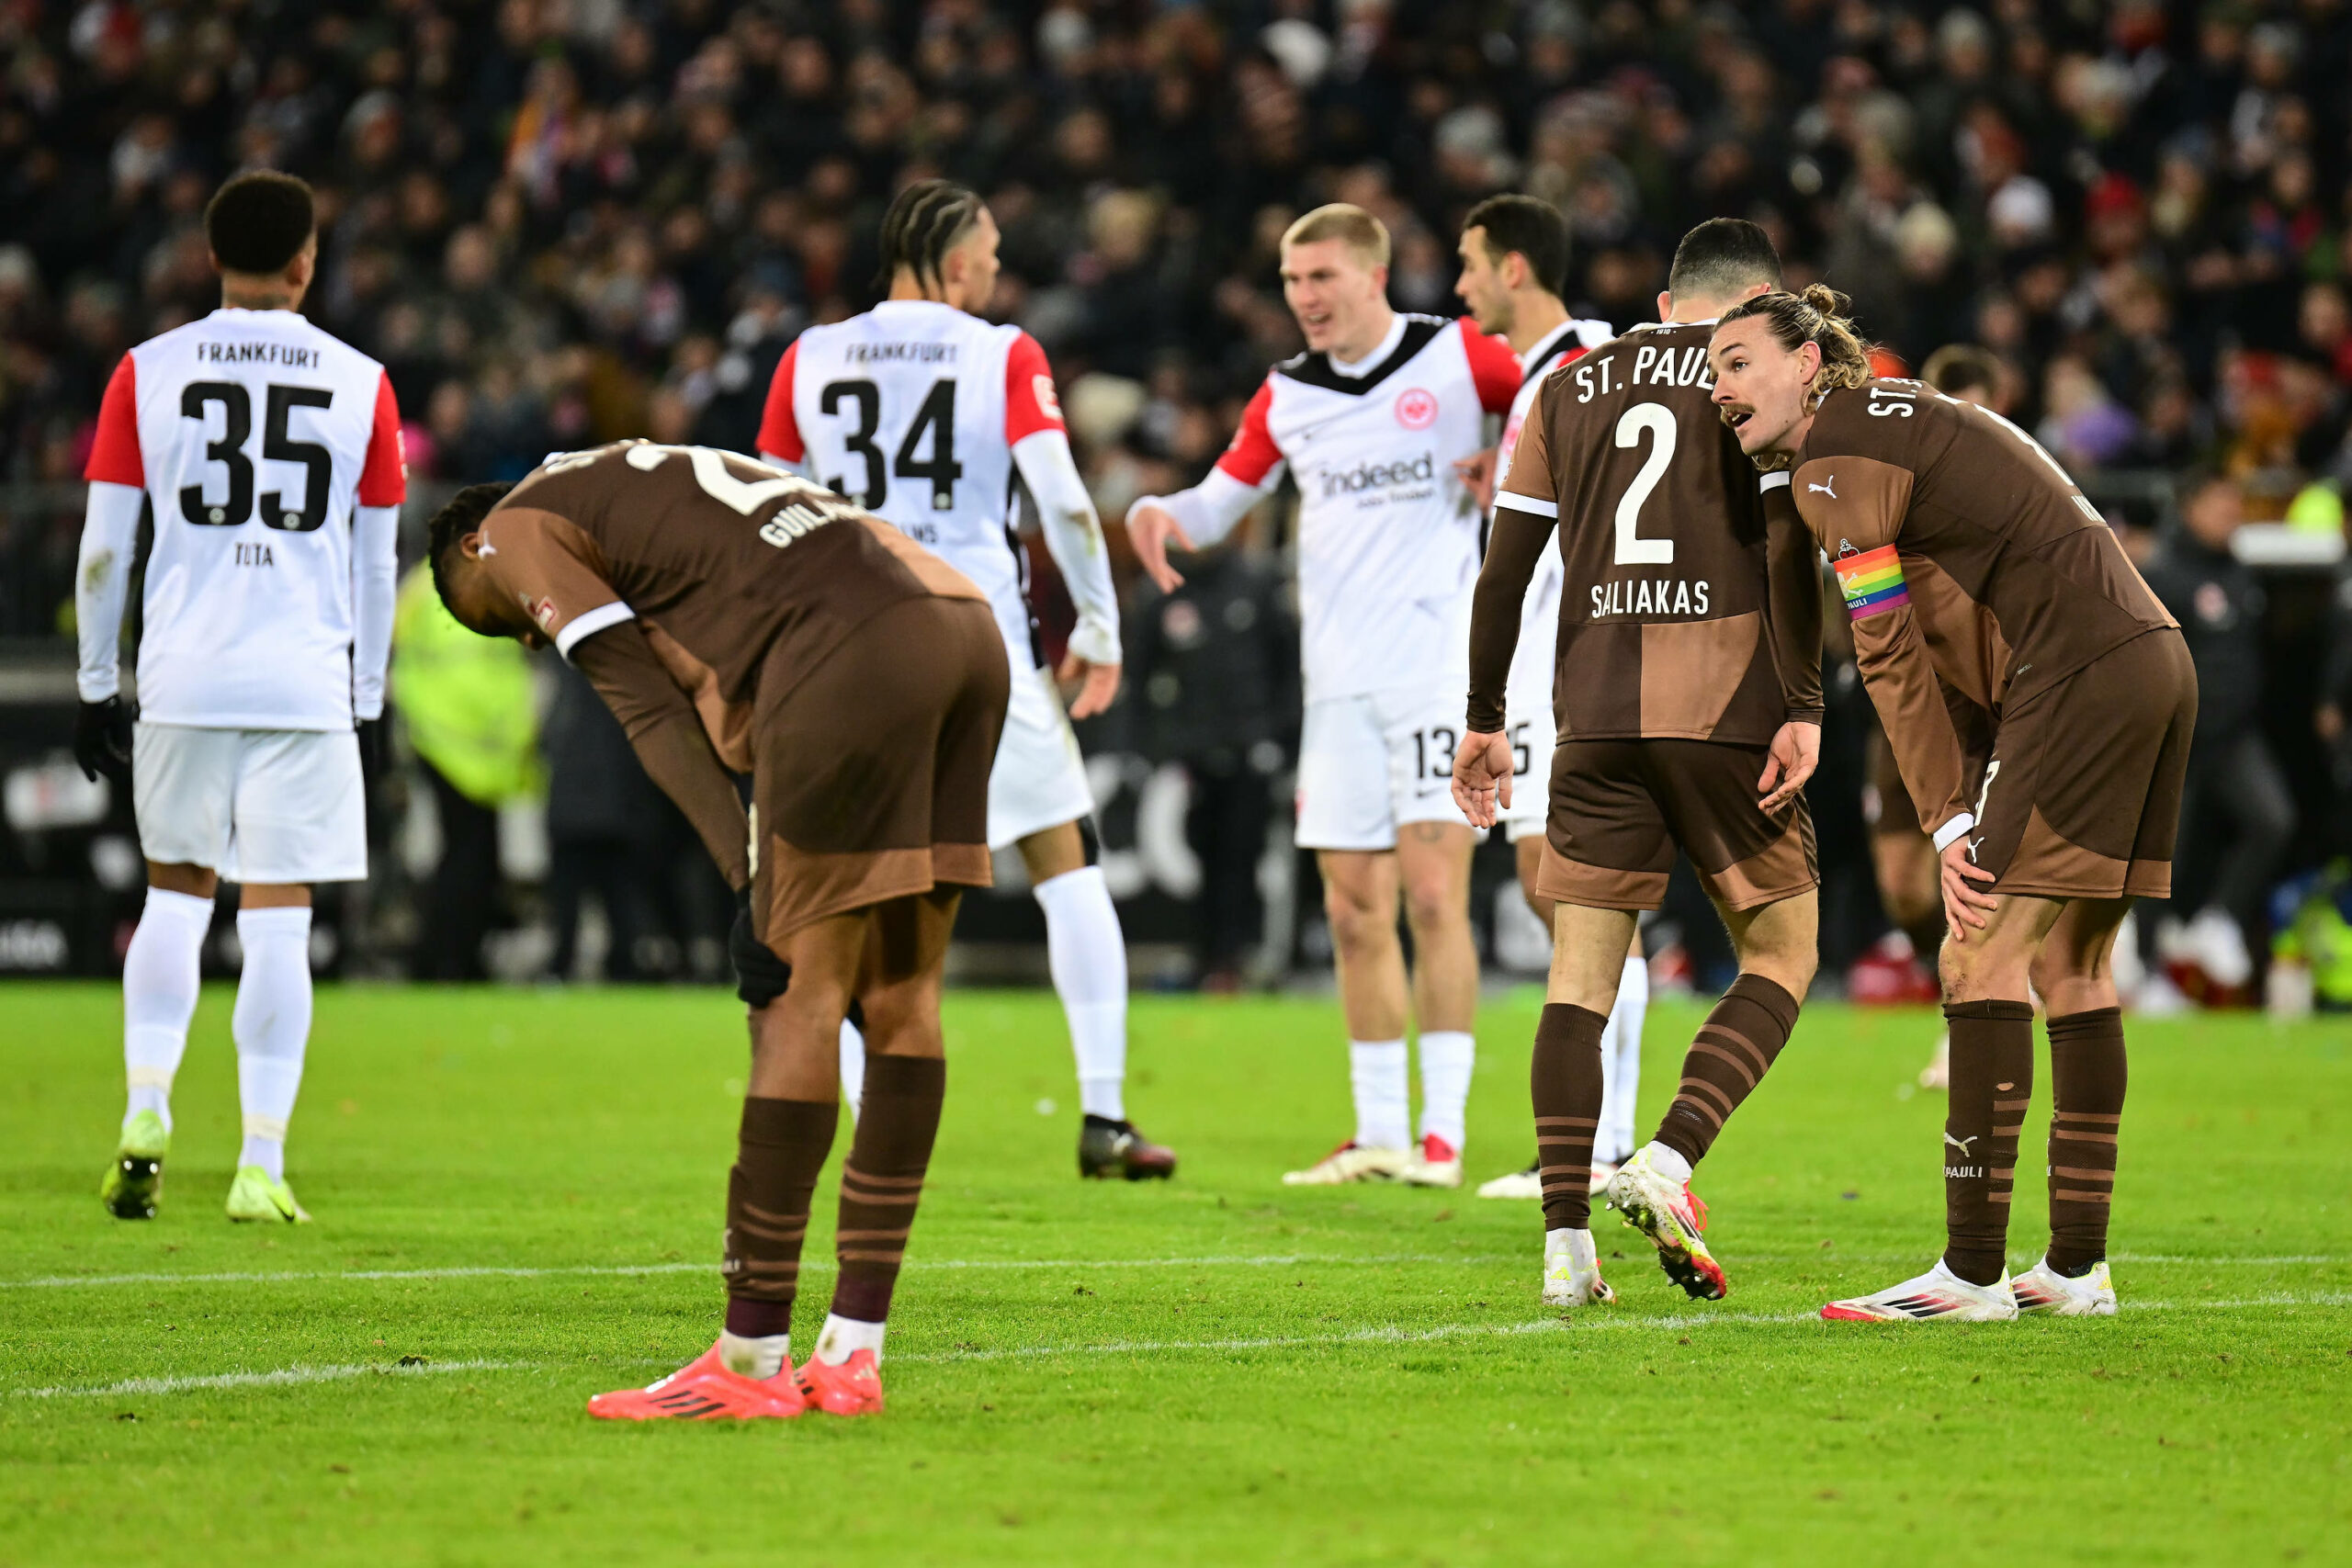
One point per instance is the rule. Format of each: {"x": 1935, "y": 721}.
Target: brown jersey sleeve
{"x": 553, "y": 570}
{"x": 1792, "y": 564}
{"x": 1526, "y": 509}
{"x": 668, "y": 735}
{"x": 1855, "y": 506}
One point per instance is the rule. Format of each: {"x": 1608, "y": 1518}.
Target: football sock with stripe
{"x": 1735, "y": 1047}
{"x": 2086, "y": 1079}
{"x": 1564, "y": 1081}
{"x": 1621, "y": 1061}
{"x": 780, "y": 1147}
{"x": 271, "y": 1023}
{"x": 1087, "y": 955}
{"x": 1382, "y": 1093}
{"x": 882, "y": 1180}
{"x": 159, "y": 987}
{"x": 1448, "y": 1058}
{"x": 1992, "y": 1080}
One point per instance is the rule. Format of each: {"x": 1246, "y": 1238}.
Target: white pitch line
{"x": 1584, "y": 1321}
{"x": 278, "y": 1379}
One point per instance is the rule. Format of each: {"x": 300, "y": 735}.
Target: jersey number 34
{"x": 934, "y": 421}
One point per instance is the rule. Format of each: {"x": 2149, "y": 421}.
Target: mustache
{"x": 1732, "y": 414}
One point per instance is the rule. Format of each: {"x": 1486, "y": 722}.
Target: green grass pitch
{"x": 524, "y": 1190}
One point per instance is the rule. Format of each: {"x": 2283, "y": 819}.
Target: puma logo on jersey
{"x": 1823, "y": 489}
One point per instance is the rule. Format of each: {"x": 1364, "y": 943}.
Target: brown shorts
{"x": 870, "y": 773}
{"x": 1620, "y": 808}
{"x": 2082, "y": 797}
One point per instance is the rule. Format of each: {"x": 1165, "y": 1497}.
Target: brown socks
{"x": 1565, "y": 1080}
{"x": 779, "y": 1151}
{"x": 1992, "y": 1078}
{"x": 882, "y": 1179}
{"x": 2086, "y": 1078}
{"x": 1735, "y": 1048}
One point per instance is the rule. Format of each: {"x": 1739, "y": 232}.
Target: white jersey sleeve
{"x": 255, "y": 436}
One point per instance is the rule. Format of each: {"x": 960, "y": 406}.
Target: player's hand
{"x": 1151, "y": 529}
{"x": 102, "y": 740}
{"x": 760, "y": 976}
{"x": 1477, "y": 474}
{"x": 1795, "y": 752}
{"x": 1097, "y": 684}
{"x": 1482, "y": 776}
{"x": 1966, "y": 903}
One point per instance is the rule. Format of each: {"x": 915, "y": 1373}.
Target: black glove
{"x": 371, "y": 749}
{"x": 760, "y": 976}
{"x": 102, "y": 740}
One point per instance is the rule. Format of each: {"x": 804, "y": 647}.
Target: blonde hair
{"x": 1819, "y": 317}
{"x": 1349, "y": 225}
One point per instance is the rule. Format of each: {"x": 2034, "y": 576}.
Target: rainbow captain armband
{"x": 1872, "y": 581}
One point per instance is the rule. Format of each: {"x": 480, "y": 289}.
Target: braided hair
{"x": 921, "y": 226}
{"x": 1819, "y": 317}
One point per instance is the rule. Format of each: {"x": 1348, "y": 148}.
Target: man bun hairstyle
{"x": 1349, "y": 225}
{"x": 1958, "y": 367}
{"x": 1819, "y": 317}
{"x": 460, "y": 516}
{"x": 259, "y": 221}
{"x": 1722, "y": 257}
{"x": 921, "y": 226}
{"x": 1530, "y": 226}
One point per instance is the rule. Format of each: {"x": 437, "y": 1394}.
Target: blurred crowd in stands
{"x": 562, "y": 222}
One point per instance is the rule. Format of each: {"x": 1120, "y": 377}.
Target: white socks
{"x": 762, "y": 1358}
{"x": 159, "y": 985}
{"x": 272, "y": 1025}
{"x": 1384, "y": 1109}
{"x": 1447, "y": 1056}
{"x": 1666, "y": 1162}
{"x": 843, "y": 1337}
{"x": 1621, "y": 1064}
{"x": 852, "y": 1069}
{"x": 1088, "y": 955}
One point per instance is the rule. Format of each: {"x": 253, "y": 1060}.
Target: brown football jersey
{"x": 1691, "y": 605}
{"x": 1964, "y": 552}
{"x": 729, "y": 567}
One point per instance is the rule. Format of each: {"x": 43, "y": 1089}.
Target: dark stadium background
{"x": 564, "y": 221}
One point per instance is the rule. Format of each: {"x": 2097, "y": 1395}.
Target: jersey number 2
{"x": 1631, "y": 549}
{"x": 237, "y": 421}
{"x": 934, "y": 422}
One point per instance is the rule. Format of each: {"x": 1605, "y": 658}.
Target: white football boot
{"x": 1349, "y": 1163}
{"x": 1528, "y": 1183}
{"x": 2043, "y": 1288}
{"x": 1572, "y": 1270}
{"x": 1936, "y": 1296}
{"x": 1675, "y": 1220}
{"x": 1435, "y": 1164}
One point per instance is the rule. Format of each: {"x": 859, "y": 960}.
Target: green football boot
{"x": 136, "y": 1178}
{"x": 253, "y": 1196}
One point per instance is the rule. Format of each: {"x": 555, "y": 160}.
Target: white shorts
{"x": 1039, "y": 779}
{"x": 1369, "y": 765}
{"x": 257, "y": 805}
{"x": 1531, "y": 733}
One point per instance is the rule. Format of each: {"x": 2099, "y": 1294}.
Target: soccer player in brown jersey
{"x": 741, "y": 620}
{"x": 1689, "y": 704}
{"x": 1970, "y": 561}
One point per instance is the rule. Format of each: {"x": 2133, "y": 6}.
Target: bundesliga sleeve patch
{"x": 1872, "y": 581}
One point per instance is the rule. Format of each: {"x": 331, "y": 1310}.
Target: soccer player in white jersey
{"x": 270, "y": 454}
{"x": 1514, "y": 252}
{"x": 922, "y": 413}
{"x": 1370, "y": 420}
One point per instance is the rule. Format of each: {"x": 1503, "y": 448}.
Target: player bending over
{"x": 738, "y": 619}
{"x": 1372, "y": 420}
{"x": 922, "y": 413}
{"x": 1689, "y": 693}
{"x": 1968, "y": 558}
{"x": 270, "y": 453}
{"x": 1514, "y": 252}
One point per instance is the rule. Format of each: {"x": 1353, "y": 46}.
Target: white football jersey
{"x": 1535, "y": 660}
{"x": 1387, "y": 534}
{"x": 253, "y": 433}
{"x": 911, "y": 410}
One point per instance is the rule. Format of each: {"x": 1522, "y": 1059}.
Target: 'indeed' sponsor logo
{"x": 1421, "y": 471}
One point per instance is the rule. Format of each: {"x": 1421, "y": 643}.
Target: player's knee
{"x": 1435, "y": 904}
{"x": 1356, "y": 921}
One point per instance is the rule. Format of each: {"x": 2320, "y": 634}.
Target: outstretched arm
{"x": 1202, "y": 515}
